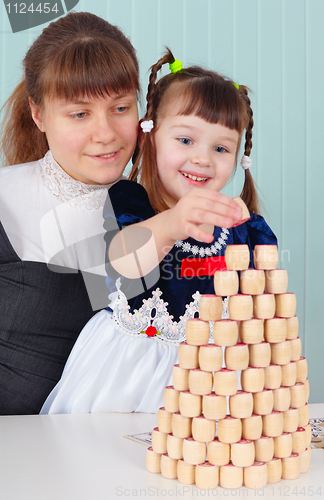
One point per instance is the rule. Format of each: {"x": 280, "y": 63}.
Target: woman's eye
{"x": 185, "y": 140}
{"x": 79, "y": 115}
{"x": 220, "y": 149}
{"x": 121, "y": 109}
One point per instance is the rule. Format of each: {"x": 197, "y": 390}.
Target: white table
{"x": 86, "y": 457}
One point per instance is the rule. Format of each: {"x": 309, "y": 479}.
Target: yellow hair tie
{"x": 176, "y": 66}
{"x": 236, "y": 86}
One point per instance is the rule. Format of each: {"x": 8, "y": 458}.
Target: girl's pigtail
{"x": 21, "y": 140}
{"x": 148, "y": 174}
{"x": 249, "y": 193}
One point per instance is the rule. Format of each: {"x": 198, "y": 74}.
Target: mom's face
{"x": 91, "y": 139}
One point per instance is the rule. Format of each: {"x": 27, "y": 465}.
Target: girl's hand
{"x": 197, "y": 207}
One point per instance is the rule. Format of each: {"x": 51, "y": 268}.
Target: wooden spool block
{"x": 264, "y": 306}
{"x": 303, "y": 415}
{"x": 308, "y": 431}
{"x": 252, "y": 379}
{"x": 245, "y": 211}
{"x": 285, "y": 305}
{"x": 210, "y": 307}
{"x": 255, "y": 476}
{"x": 200, "y": 382}
{"x": 274, "y": 467}
{"x": 186, "y": 472}
{"x": 296, "y": 348}
{"x": 180, "y": 426}
{"x": 194, "y": 452}
{"x": 263, "y": 402}
{"x": 265, "y": 257}
{"x": 225, "y": 382}
{"x": 229, "y": 430}
{"x": 210, "y": 358}
{"x": 171, "y": 399}
{"x": 291, "y": 419}
{"x": 281, "y": 353}
{"x": 218, "y": 453}
{"x": 264, "y": 449}
{"x": 289, "y": 374}
{"x": 276, "y": 281}
{"x": 243, "y": 453}
{"x": 307, "y": 388}
{"x": 207, "y": 476}
{"x": 214, "y": 406}
{"x": 302, "y": 370}
{"x": 251, "y": 331}
{"x": 298, "y": 395}
{"x": 252, "y": 281}
{"x": 240, "y": 307}
{"x": 164, "y": 420}
{"x": 241, "y": 404}
{"x": 190, "y": 405}
{"x": 174, "y": 446}
{"x": 272, "y": 376}
{"x": 225, "y": 332}
{"x": 188, "y": 356}
{"x": 226, "y": 283}
{"x": 299, "y": 440}
{"x": 283, "y": 445}
{"x": 304, "y": 459}
{"x": 272, "y": 424}
{"x": 197, "y": 332}
{"x": 180, "y": 378}
{"x": 230, "y": 477}
{"x": 237, "y": 257}
{"x": 153, "y": 461}
{"x": 290, "y": 467}
{"x": 281, "y": 398}
{"x": 292, "y": 327}
{"x": 168, "y": 467}
{"x": 237, "y": 357}
{"x": 260, "y": 355}
{"x": 252, "y": 427}
{"x": 159, "y": 441}
{"x": 203, "y": 430}
{"x": 275, "y": 330}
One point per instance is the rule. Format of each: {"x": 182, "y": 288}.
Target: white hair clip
{"x": 246, "y": 162}
{"x": 147, "y": 125}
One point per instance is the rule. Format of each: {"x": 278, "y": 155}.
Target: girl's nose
{"x": 201, "y": 158}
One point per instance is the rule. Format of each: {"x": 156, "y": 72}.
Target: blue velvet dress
{"x": 124, "y": 356}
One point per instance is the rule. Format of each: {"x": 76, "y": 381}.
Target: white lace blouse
{"x": 50, "y": 217}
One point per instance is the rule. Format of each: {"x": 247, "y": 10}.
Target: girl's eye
{"x": 185, "y": 140}
{"x": 78, "y": 115}
{"x": 220, "y": 149}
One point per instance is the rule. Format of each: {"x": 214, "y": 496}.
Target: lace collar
{"x": 85, "y": 197}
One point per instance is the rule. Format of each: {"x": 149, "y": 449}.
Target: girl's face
{"x": 191, "y": 152}
{"x": 91, "y": 139}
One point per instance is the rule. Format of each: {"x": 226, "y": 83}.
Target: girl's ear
{"x": 36, "y": 115}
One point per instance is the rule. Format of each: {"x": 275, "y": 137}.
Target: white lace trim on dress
{"x": 153, "y": 319}
{"x": 86, "y": 197}
{"x": 203, "y": 251}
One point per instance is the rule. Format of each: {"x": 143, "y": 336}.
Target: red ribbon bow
{"x": 202, "y": 267}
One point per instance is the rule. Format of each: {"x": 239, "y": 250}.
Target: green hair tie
{"x": 236, "y": 86}
{"x": 176, "y": 66}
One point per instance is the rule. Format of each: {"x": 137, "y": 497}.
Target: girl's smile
{"x": 91, "y": 139}
{"x": 192, "y": 152}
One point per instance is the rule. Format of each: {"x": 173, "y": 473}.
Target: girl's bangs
{"x": 90, "y": 70}
{"x": 212, "y": 101}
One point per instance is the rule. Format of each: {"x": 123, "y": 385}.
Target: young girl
{"x": 192, "y": 131}
{"x": 72, "y": 126}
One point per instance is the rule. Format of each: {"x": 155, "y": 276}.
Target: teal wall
{"x": 276, "y": 48}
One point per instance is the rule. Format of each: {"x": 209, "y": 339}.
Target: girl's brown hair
{"x": 79, "y": 55}
{"x": 206, "y": 94}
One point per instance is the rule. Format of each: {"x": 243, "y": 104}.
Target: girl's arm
{"x": 138, "y": 249}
